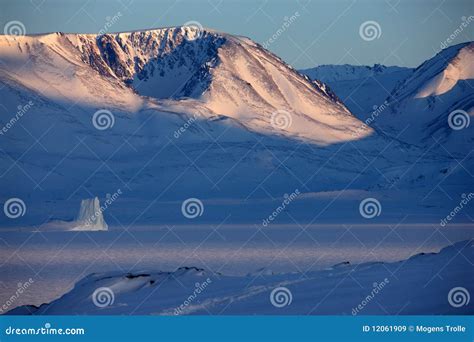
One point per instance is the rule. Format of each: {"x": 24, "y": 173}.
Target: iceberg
{"x": 90, "y": 216}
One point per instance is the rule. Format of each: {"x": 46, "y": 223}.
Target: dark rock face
{"x": 138, "y": 57}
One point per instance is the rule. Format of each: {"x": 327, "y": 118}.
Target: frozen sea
{"x": 55, "y": 261}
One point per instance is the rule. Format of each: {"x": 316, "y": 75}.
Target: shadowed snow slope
{"x": 419, "y": 285}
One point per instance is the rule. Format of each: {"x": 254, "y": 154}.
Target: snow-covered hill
{"x": 419, "y": 285}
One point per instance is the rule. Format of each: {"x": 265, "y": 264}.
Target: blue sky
{"x": 324, "y": 31}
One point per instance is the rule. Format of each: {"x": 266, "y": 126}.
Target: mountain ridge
{"x": 230, "y": 76}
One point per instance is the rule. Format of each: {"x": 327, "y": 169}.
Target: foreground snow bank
{"x": 422, "y": 284}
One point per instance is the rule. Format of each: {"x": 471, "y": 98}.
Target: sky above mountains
{"x": 304, "y": 33}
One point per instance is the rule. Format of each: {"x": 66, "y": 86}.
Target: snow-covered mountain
{"x": 173, "y": 113}
{"x": 412, "y": 104}
{"x": 218, "y": 73}
{"x": 442, "y": 85}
